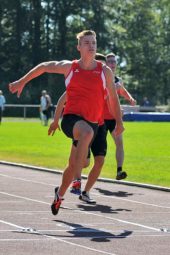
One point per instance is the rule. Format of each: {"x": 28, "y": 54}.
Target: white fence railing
{"x": 138, "y": 108}
{"x": 23, "y": 106}
{"x": 126, "y": 108}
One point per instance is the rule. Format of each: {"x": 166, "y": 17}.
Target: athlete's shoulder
{"x": 73, "y": 67}
{"x": 69, "y": 65}
{"x": 65, "y": 62}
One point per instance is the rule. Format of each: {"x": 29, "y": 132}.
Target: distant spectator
{"x": 45, "y": 107}
{"x": 146, "y": 102}
{"x": 2, "y": 104}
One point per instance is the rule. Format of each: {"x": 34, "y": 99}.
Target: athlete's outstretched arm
{"x": 61, "y": 67}
{"x": 59, "y": 108}
{"x": 122, "y": 91}
{"x": 114, "y": 101}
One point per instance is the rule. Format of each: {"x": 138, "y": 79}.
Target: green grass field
{"x": 147, "y": 149}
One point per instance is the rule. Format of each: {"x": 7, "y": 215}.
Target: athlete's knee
{"x": 119, "y": 145}
{"x": 83, "y": 131}
{"x": 99, "y": 161}
{"x": 87, "y": 134}
{"x": 118, "y": 140}
{"x": 86, "y": 163}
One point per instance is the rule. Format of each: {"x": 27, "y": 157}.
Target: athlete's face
{"x": 111, "y": 62}
{"x": 87, "y": 45}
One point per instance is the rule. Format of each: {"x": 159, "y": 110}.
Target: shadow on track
{"x": 96, "y": 235}
{"x": 116, "y": 194}
{"x": 101, "y": 208}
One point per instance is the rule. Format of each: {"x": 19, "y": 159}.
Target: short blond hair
{"x": 84, "y": 33}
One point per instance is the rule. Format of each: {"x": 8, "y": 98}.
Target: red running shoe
{"x": 56, "y": 203}
{"x": 76, "y": 187}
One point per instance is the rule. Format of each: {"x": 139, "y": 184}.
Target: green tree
{"x": 138, "y": 31}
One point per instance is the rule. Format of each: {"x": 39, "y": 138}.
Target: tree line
{"x": 137, "y": 31}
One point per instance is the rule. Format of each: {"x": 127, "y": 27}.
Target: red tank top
{"x": 107, "y": 114}
{"x": 85, "y": 91}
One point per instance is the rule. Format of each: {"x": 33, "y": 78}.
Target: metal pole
{"x": 25, "y": 112}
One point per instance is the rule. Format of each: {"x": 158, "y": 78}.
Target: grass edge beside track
{"x": 142, "y": 185}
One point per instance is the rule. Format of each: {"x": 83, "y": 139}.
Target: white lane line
{"x": 93, "y": 193}
{"x": 12, "y": 201}
{"x": 25, "y": 198}
{"x": 67, "y": 230}
{"x": 21, "y": 240}
{"x": 78, "y": 238}
{"x": 90, "y": 213}
{"x": 60, "y": 239}
{"x": 27, "y": 180}
{"x": 129, "y": 200}
{"x": 29, "y": 212}
{"x": 122, "y": 221}
{"x": 11, "y": 224}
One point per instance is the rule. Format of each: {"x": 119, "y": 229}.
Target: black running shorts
{"x": 110, "y": 125}
{"x": 99, "y": 145}
{"x": 68, "y": 122}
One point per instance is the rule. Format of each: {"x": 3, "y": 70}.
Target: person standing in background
{"x": 2, "y": 104}
{"x": 110, "y": 121}
{"x": 146, "y": 102}
{"x": 45, "y": 107}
